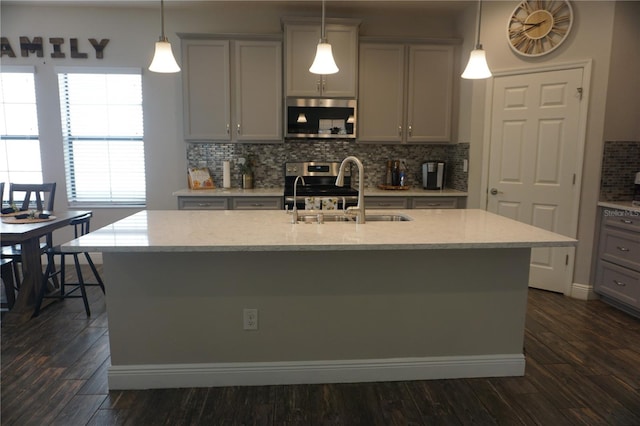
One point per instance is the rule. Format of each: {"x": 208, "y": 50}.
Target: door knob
{"x": 494, "y": 191}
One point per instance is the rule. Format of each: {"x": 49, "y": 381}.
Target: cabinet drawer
{"x": 386, "y": 202}
{"x": 435, "y": 203}
{"x": 257, "y": 203}
{"x": 622, "y": 219}
{"x": 620, "y": 283}
{"x": 202, "y": 203}
{"x": 621, "y": 247}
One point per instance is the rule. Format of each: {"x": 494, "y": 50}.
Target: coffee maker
{"x": 433, "y": 173}
{"x": 636, "y": 192}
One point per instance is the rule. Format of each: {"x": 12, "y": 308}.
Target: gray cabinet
{"x": 396, "y": 202}
{"x": 618, "y": 264}
{"x": 232, "y": 90}
{"x": 301, "y": 40}
{"x": 405, "y": 93}
{"x": 230, "y": 203}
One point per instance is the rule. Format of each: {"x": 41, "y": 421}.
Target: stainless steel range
{"x": 319, "y": 184}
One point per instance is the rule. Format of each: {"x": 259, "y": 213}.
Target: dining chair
{"x": 34, "y": 196}
{"x": 81, "y": 227}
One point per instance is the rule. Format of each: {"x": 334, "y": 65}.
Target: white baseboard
{"x": 582, "y": 292}
{"x": 340, "y": 371}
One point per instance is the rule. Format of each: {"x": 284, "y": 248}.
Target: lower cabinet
{"x": 256, "y": 203}
{"x": 230, "y": 203}
{"x": 411, "y": 202}
{"x": 618, "y": 265}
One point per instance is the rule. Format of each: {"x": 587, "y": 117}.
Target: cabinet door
{"x": 206, "y": 90}
{"x": 430, "y": 93}
{"x": 344, "y": 45}
{"x": 381, "y": 93}
{"x": 301, "y": 41}
{"x": 258, "y": 95}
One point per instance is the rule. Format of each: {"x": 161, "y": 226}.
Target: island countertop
{"x": 243, "y": 230}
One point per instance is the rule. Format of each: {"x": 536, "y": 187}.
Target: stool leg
{"x": 95, "y": 271}
{"x": 81, "y": 283}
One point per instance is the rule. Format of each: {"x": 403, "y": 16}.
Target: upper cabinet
{"x": 232, "y": 90}
{"x": 405, "y": 93}
{"x": 301, "y": 40}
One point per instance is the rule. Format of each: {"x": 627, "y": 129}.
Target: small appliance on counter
{"x": 433, "y": 173}
{"x": 636, "y": 192}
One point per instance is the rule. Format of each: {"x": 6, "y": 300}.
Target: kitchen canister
{"x": 226, "y": 174}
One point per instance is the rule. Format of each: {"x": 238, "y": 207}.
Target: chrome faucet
{"x": 359, "y": 209}
{"x": 294, "y": 212}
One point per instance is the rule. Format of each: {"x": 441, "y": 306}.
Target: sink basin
{"x": 387, "y": 218}
{"x": 313, "y": 218}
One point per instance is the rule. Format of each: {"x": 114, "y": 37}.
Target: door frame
{"x": 586, "y": 66}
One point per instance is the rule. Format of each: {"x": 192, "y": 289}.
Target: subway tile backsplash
{"x": 620, "y": 163}
{"x": 270, "y": 159}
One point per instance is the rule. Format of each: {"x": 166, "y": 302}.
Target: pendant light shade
{"x": 323, "y": 62}
{"x": 477, "y": 67}
{"x": 163, "y": 59}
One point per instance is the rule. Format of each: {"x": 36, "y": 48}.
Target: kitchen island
{"x": 441, "y": 296}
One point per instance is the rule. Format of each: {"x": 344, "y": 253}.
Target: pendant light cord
{"x": 162, "y": 36}
{"x": 322, "y": 28}
{"x": 478, "y": 45}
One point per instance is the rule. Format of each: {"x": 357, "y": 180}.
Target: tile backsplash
{"x": 620, "y": 163}
{"x": 270, "y": 159}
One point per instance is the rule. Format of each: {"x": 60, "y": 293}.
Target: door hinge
{"x": 574, "y": 178}
{"x": 566, "y": 260}
{"x": 580, "y": 92}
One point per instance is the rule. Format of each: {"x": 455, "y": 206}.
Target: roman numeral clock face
{"x": 537, "y": 27}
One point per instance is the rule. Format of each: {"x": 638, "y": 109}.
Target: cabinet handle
{"x": 324, "y": 82}
{"x": 433, "y": 204}
{"x": 410, "y": 130}
{"x": 238, "y": 129}
{"x": 627, "y": 221}
{"x": 257, "y": 204}
{"x": 318, "y": 85}
{"x": 399, "y": 130}
{"x": 228, "y": 128}
{"x": 623, "y": 248}
{"x": 204, "y": 204}
{"x": 619, "y": 283}
{"x": 384, "y": 204}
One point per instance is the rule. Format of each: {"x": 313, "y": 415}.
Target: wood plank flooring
{"x": 582, "y": 368}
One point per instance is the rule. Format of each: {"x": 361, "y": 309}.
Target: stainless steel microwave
{"x": 321, "y": 118}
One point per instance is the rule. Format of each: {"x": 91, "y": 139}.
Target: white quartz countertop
{"x": 622, "y": 205}
{"x": 278, "y": 192}
{"x": 271, "y": 230}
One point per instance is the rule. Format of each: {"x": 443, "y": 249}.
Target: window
{"x": 19, "y": 136}
{"x": 102, "y": 130}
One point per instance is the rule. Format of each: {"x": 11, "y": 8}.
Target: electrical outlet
{"x": 250, "y": 319}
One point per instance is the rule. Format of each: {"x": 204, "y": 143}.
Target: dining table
{"x": 28, "y": 234}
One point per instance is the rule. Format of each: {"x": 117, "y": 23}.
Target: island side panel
{"x": 183, "y": 308}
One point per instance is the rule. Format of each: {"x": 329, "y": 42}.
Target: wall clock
{"x": 537, "y": 27}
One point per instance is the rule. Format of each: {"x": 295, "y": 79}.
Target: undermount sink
{"x": 321, "y": 217}
{"x": 387, "y": 218}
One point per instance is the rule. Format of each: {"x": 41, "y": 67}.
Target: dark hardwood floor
{"x": 582, "y": 368}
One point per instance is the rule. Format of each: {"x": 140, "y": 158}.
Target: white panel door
{"x": 534, "y": 161}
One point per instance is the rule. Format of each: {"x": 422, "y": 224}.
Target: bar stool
{"x": 8, "y": 283}
{"x": 81, "y": 227}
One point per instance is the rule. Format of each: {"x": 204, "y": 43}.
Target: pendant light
{"x": 477, "y": 67}
{"x": 163, "y": 59}
{"x": 323, "y": 63}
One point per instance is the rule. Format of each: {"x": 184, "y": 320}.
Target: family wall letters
{"x": 36, "y": 46}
